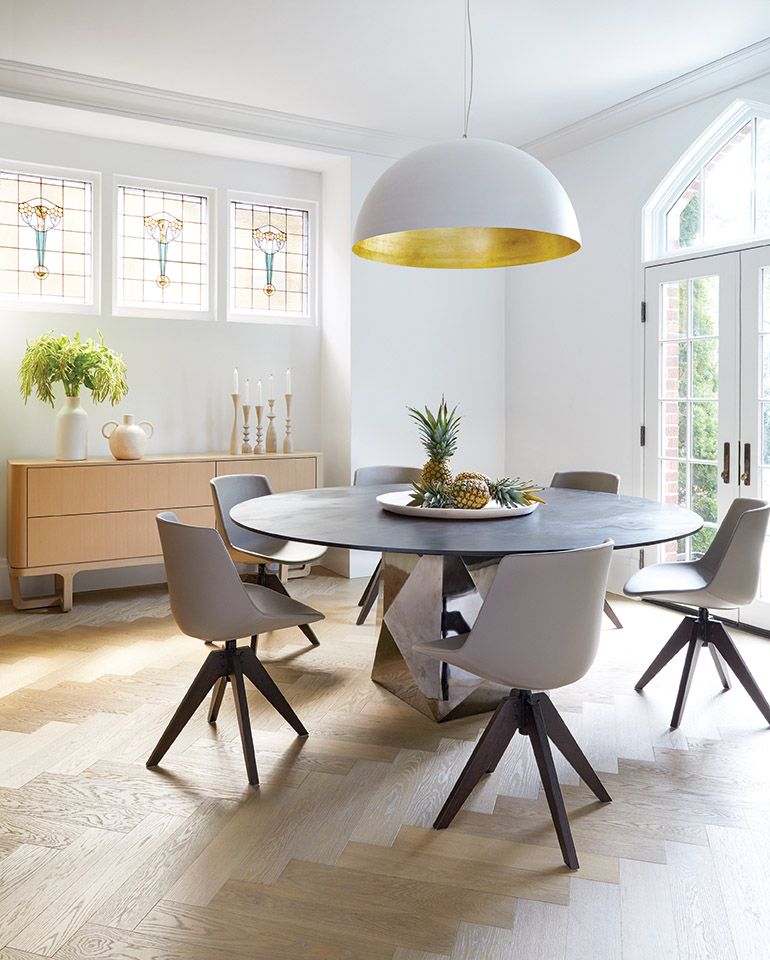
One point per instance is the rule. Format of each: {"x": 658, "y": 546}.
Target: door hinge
{"x": 644, "y": 311}
{"x": 642, "y": 435}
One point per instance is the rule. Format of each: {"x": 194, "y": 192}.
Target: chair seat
{"x": 272, "y": 550}
{"x": 677, "y": 583}
{"x": 277, "y": 611}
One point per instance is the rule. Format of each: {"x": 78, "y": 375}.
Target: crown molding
{"x": 32, "y": 82}
{"x": 719, "y": 76}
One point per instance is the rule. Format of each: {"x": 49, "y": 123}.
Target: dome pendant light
{"x": 466, "y": 203}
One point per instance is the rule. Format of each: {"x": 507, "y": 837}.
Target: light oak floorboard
{"x": 333, "y": 855}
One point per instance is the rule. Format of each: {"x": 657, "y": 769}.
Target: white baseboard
{"x": 86, "y": 580}
{"x": 624, "y": 564}
{"x": 347, "y": 563}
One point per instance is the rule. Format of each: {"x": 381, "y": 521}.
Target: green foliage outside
{"x": 705, "y": 415}
{"x": 689, "y": 221}
{"x": 75, "y": 363}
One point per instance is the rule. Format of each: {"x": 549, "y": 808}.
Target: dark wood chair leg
{"x": 721, "y": 666}
{"x": 255, "y": 671}
{"x": 486, "y": 754}
{"x": 244, "y": 726}
{"x": 568, "y": 747}
{"x": 374, "y": 579}
{"x": 275, "y": 583}
{"x": 679, "y": 638}
{"x": 370, "y": 595}
{"x": 216, "y": 699}
{"x": 688, "y": 671}
{"x": 310, "y": 634}
{"x": 722, "y": 640}
{"x": 254, "y": 641}
{"x": 536, "y": 730}
{"x": 214, "y": 667}
{"x": 612, "y": 615}
{"x": 499, "y": 745}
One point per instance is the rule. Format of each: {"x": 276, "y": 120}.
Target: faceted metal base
{"x": 418, "y": 593}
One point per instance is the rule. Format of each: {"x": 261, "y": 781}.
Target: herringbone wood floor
{"x": 332, "y": 857}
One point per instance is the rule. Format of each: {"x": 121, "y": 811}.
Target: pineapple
{"x": 514, "y": 492}
{"x": 471, "y": 475}
{"x": 438, "y": 434}
{"x": 431, "y": 495}
{"x": 470, "y": 493}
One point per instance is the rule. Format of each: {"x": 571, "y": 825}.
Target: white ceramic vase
{"x": 71, "y": 431}
{"x": 128, "y": 440}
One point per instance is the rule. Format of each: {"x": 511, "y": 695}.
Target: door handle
{"x": 726, "y": 463}
{"x": 746, "y": 475}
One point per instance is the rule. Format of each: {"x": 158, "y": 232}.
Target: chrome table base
{"x": 420, "y": 595}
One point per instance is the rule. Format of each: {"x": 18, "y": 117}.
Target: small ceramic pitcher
{"x": 128, "y": 439}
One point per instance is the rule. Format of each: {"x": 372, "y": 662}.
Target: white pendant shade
{"x": 466, "y": 203}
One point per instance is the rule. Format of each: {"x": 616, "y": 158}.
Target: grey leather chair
{"x": 210, "y": 602}
{"x": 726, "y": 576}
{"x": 257, "y": 549}
{"x": 538, "y": 629}
{"x": 376, "y": 476}
{"x": 597, "y": 482}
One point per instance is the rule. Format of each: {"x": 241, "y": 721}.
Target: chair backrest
{"x": 229, "y": 490}
{"x": 380, "y": 475}
{"x": 207, "y": 596}
{"x": 593, "y": 480}
{"x": 540, "y": 622}
{"x": 734, "y": 559}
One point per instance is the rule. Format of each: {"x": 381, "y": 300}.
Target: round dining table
{"x": 436, "y": 573}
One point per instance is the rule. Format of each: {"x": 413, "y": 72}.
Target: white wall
{"x": 418, "y": 334}
{"x": 388, "y": 337}
{"x": 573, "y": 354}
{"x": 179, "y": 371}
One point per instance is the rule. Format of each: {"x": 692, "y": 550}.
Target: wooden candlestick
{"x": 246, "y": 446}
{"x": 234, "y": 432}
{"x": 271, "y": 441}
{"x": 288, "y": 443}
{"x": 259, "y": 446}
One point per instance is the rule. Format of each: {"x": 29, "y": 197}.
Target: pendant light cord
{"x": 467, "y": 86}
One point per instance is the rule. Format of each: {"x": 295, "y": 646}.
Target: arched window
{"x": 718, "y": 193}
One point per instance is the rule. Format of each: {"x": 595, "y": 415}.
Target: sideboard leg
{"x": 20, "y": 602}
{"x": 65, "y": 583}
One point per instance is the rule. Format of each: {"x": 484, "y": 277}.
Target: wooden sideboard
{"x": 64, "y": 517}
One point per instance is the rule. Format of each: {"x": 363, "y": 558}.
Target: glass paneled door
{"x": 754, "y": 463}
{"x": 691, "y": 391}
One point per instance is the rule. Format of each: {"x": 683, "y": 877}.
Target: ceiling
{"x": 396, "y": 65}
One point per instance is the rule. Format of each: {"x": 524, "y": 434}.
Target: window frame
{"x": 159, "y": 311}
{"x": 690, "y": 165}
{"x": 312, "y": 208}
{"x": 93, "y": 177}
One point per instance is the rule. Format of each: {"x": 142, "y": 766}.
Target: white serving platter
{"x": 399, "y": 503}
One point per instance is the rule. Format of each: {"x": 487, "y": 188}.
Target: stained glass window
{"x": 163, "y": 249}
{"x": 46, "y": 239}
{"x": 269, "y": 260}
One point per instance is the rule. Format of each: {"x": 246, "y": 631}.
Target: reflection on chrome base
{"x": 420, "y": 596}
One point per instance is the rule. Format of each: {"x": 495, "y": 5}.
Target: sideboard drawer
{"x": 108, "y": 487}
{"x": 105, "y": 536}
{"x": 284, "y": 473}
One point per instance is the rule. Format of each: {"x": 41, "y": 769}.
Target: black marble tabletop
{"x": 350, "y": 517}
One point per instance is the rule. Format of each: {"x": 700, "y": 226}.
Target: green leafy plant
{"x": 75, "y": 363}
